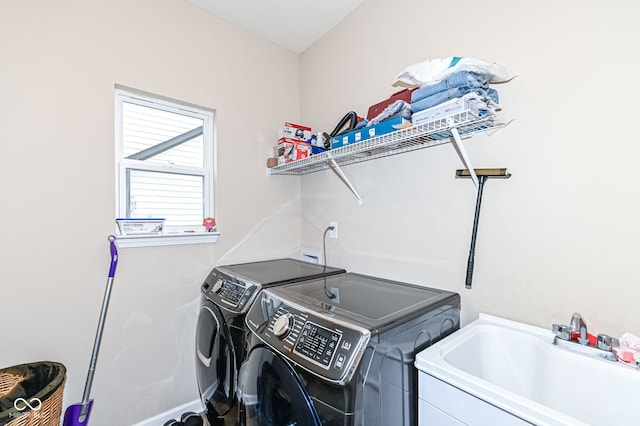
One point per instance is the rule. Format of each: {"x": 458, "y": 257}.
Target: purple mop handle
{"x": 78, "y": 414}
{"x": 114, "y": 256}
{"x": 86, "y": 403}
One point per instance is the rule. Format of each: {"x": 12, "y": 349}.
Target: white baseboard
{"x": 194, "y": 406}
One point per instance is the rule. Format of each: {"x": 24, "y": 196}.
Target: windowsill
{"x": 125, "y": 241}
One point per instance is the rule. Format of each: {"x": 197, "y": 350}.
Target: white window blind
{"x": 164, "y": 153}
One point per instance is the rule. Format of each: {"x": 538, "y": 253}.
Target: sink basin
{"x": 516, "y": 367}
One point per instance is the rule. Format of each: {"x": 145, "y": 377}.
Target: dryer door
{"x": 215, "y": 360}
{"x": 270, "y": 393}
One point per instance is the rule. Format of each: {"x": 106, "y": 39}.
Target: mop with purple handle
{"x": 78, "y": 414}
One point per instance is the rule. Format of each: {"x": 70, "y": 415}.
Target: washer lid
{"x": 373, "y": 302}
{"x": 278, "y": 271}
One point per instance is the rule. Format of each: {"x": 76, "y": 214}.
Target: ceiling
{"x": 292, "y": 24}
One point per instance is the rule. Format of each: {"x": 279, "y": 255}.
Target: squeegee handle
{"x": 114, "y": 256}
{"x": 470, "y": 262}
{"x": 474, "y": 233}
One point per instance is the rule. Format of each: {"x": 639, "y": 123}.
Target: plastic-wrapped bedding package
{"x": 487, "y": 95}
{"x": 396, "y": 109}
{"x": 434, "y": 70}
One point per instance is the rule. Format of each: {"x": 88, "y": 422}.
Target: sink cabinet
{"x": 442, "y": 404}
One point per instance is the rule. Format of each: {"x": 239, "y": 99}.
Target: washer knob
{"x": 282, "y": 326}
{"x": 217, "y": 285}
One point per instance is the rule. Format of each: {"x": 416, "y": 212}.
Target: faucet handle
{"x": 606, "y": 342}
{"x": 562, "y": 331}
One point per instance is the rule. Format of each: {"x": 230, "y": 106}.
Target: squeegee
{"x": 483, "y": 175}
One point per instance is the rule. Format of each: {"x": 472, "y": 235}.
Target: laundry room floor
{"x": 230, "y": 419}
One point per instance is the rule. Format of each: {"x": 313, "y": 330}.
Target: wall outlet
{"x": 333, "y": 233}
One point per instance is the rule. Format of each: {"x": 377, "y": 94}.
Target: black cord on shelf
{"x": 324, "y": 258}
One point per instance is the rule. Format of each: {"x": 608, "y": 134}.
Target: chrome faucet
{"x": 564, "y": 338}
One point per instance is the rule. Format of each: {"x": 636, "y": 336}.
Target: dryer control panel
{"x": 229, "y": 293}
{"x": 325, "y": 346}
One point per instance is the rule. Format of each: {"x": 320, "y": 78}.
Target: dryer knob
{"x": 282, "y": 326}
{"x": 217, "y": 285}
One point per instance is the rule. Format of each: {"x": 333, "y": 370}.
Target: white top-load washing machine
{"x": 340, "y": 350}
{"x": 227, "y": 293}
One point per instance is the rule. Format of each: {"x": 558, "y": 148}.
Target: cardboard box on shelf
{"x": 295, "y": 131}
{"x": 369, "y": 132}
{"x": 291, "y": 150}
{"x": 272, "y": 162}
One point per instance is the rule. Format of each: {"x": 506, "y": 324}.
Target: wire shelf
{"x": 436, "y": 132}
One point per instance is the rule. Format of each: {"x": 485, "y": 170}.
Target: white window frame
{"x": 175, "y": 235}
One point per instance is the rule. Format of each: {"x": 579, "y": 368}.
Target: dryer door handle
{"x": 203, "y": 359}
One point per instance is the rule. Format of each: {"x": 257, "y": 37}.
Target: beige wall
{"x": 59, "y": 63}
{"x": 562, "y": 234}
{"x": 559, "y": 236}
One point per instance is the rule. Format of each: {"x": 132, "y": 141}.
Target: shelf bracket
{"x": 462, "y": 153}
{"x": 336, "y": 168}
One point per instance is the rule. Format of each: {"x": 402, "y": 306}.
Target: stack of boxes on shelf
{"x": 293, "y": 143}
{"x": 440, "y": 94}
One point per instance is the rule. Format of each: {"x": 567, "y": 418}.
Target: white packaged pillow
{"x": 434, "y": 70}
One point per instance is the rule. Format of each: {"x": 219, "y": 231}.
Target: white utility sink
{"x": 516, "y": 368}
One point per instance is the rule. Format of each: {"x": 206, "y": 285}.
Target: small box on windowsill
{"x": 140, "y": 226}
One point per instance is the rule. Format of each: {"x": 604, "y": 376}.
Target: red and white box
{"x": 295, "y": 131}
{"x": 292, "y": 149}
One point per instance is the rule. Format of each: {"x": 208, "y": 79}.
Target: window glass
{"x": 175, "y": 197}
{"x": 161, "y": 137}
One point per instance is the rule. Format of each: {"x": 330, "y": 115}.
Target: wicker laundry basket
{"x": 31, "y": 394}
